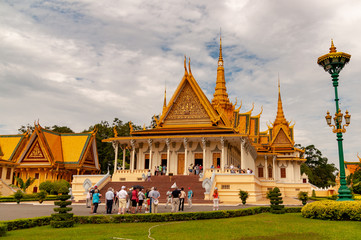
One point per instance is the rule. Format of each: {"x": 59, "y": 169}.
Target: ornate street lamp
{"x": 333, "y": 63}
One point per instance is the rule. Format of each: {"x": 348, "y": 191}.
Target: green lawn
{"x": 263, "y": 226}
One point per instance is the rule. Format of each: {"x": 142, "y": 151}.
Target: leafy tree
{"x": 105, "y": 149}
{"x": 24, "y": 185}
{"x": 46, "y": 186}
{"x": 320, "y": 173}
{"x": 55, "y": 128}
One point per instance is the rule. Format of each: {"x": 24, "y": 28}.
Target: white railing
{"x": 127, "y": 171}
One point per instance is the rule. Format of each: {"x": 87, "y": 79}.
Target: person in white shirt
{"x": 122, "y": 196}
{"x": 168, "y": 197}
{"x": 141, "y": 198}
{"x": 109, "y": 196}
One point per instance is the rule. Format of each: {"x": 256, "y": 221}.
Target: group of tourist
{"x": 132, "y": 201}
{"x": 235, "y": 170}
{"x": 177, "y": 197}
{"x": 195, "y": 169}
{"x": 160, "y": 170}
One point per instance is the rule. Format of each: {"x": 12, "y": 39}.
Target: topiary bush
{"x": 333, "y": 210}
{"x": 303, "y": 197}
{"x": 275, "y": 198}
{"x": 313, "y": 193}
{"x": 243, "y": 195}
{"x": 42, "y": 196}
{"x": 62, "y": 219}
{"x": 18, "y": 196}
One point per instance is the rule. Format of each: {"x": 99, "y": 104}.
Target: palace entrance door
{"x": 180, "y": 168}
{"x": 216, "y": 159}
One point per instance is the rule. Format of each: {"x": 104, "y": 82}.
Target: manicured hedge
{"x": 27, "y": 223}
{"x": 333, "y": 210}
{"x": 3, "y": 229}
{"x": 29, "y": 197}
{"x": 133, "y": 218}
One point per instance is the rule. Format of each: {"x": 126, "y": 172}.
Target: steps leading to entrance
{"x": 163, "y": 183}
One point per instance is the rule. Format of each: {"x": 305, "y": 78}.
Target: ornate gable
{"x": 281, "y": 139}
{"x": 36, "y": 154}
{"x": 187, "y": 108}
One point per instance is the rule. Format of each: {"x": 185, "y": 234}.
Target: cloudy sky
{"x": 76, "y": 63}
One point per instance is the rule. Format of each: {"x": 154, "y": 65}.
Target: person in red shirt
{"x": 134, "y": 200}
{"x": 215, "y": 199}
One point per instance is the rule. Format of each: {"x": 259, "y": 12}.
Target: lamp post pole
{"x": 333, "y": 63}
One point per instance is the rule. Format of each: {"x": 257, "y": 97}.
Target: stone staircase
{"x": 163, "y": 183}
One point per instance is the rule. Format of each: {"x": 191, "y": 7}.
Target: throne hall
{"x": 219, "y": 136}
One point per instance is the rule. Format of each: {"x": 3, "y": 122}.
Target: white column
{"x": 150, "y": 141}
{"x": 222, "y": 154}
{"x": 243, "y": 143}
{"x": 115, "y": 146}
{"x": 265, "y": 158}
{"x": 167, "y": 142}
{"x": 274, "y": 167}
{"x": 205, "y": 163}
{"x": 132, "y": 143}
{"x": 124, "y": 147}
{"x": 185, "y": 140}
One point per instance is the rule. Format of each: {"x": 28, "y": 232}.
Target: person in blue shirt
{"x": 190, "y": 197}
{"x": 96, "y": 200}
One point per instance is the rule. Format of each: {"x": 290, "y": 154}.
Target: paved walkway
{"x": 10, "y": 211}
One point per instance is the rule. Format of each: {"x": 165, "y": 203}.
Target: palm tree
{"x": 24, "y": 185}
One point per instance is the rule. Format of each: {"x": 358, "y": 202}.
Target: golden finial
{"x": 144, "y": 127}
{"x": 185, "y": 64}
{"x": 189, "y": 66}
{"x": 220, "y": 49}
{"x": 115, "y": 131}
{"x": 332, "y": 48}
{"x": 131, "y": 127}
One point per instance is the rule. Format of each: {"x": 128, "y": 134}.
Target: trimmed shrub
{"x": 276, "y": 200}
{"x": 313, "y": 193}
{"x": 18, "y": 196}
{"x": 3, "y": 229}
{"x": 62, "y": 219}
{"x": 42, "y": 196}
{"x": 333, "y": 210}
{"x": 303, "y": 197}
{"x": 243, "y": 195}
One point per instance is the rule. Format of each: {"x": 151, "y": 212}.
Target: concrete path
{"x": 10, "y": 211}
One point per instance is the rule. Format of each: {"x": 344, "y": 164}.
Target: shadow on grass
{"x": 293, "y": 236}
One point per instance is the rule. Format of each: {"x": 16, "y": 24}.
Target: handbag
{"x": 155, "y": 202}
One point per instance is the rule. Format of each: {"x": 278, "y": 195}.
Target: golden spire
{"x": 280, "y": 118}
{"x": 165, "y": 99}
{"x": 332, "y": 48}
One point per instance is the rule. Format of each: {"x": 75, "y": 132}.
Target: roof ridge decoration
{"x": 358, "y": 157}
{"x": 206, "y": 105}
